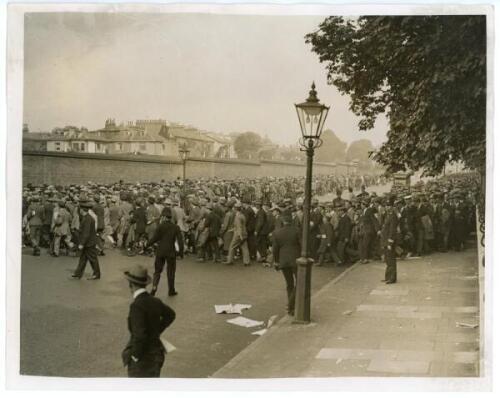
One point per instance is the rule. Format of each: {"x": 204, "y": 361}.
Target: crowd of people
{"x": 256, "y": 220}
{"x": 128, "y": 214}
{"x": 225, "y": 218}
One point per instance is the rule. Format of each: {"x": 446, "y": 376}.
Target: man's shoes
{"x": 228, "y": 263}
{"x": 383, "y": 280}
{"x": 74, "y": 277}
{"x": 246, "y": 265}
{"x": 93, "y": 278}
{"x": 389, "y": 282}
{"x": 172, "y": 293}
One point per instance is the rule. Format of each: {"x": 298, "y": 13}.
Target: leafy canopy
{"x": 427, "y": 74}
{"x": 247, "y": 145}
{"x": 333, "y": 148}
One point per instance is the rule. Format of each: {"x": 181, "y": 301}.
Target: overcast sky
{"x": 219, "y": 73}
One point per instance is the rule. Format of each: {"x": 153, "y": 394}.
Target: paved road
{"x": 78, "y": 328}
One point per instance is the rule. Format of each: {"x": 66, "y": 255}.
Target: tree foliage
{"x": 333, "y": 148}
{"x": 427, "y": 74}
{"x": 359, "y": 150}
{"x": 247, "y": 145}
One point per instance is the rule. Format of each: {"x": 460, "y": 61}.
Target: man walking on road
{"x": 87, "y": 244}
{"x": 286, "y": 250}
{"x": 389, "y": 232}
{"x": 166, "y": 234}
{"x": 239, "y": 237}
{"x": 148, "y": 317}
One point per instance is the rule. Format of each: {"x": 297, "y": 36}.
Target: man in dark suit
{"x": 213, "y": 223}
{"x": 261, "y": 231}
{"x": 98, "y": 210}
{"x": 148, "y": 317}
{"x": 166, "y": 234}
{"x": 389, "y": 234}
{"x": 344, "y": 230}
{"x": 286, "y": 250}
{"x": 368, "y": 229}
{"x": 87, "y": 243}
{"x": 250, "y": 223}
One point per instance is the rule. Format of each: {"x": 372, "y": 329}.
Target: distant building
{"x": 111, "y": 139}
{"x": 145, "y": 137}
{"x": 199, "y": 144}
{"x": 223, "y": 146}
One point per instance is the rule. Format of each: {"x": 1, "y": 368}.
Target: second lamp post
{"x": 184, "y": 152}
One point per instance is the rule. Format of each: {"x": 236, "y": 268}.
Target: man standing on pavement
{"x": 166, "y": 234}
{"x": 286, "y": 250}
{"x": 148, "y": 317}
{"x": 389, "y": 233}
{"x": 87, "y": 244}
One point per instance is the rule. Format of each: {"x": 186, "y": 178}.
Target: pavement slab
{"x": 365, "y": 328}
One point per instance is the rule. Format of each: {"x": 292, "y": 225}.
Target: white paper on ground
{"x": 260, "y": 332}
{"x": 169, "y": 347}
{"x": 466, "y": 325}
{"x": 231, "y": 308}
{"x": 245, "y": 322}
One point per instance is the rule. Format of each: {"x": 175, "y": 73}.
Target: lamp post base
{"x": 303, "y": 291}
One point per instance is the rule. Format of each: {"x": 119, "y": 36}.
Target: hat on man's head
{"x": 166, "y": 212}
{"x": 287, "y": 217}
{"x": 86, "y": 204}
{"x": 138, "y": 275}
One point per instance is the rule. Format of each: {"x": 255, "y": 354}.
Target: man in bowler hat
{"x": 148, "y": 317}
{"x": 286, "y": 250}
{"x": 166, "y": 234}
{"x": 87, "y": 244}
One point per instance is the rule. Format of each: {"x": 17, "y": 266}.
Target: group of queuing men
{"x": 224, "y": 218}
{"x": 177, "y": 218}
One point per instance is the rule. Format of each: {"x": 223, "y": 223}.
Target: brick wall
{"x": 78, "y": 168}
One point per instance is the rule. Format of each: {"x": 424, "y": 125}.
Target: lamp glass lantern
{"x": 184, "y": 151}
{"x": 312, "y": 115}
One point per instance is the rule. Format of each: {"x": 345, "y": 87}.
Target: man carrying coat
{"x": 148, "y": 317}
{"x": 166, "y": 234}
{"x": 286, "y": 250}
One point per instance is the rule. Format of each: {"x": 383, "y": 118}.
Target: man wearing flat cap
{"x": 148, "y": 317}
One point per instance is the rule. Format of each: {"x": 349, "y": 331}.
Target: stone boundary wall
{"x": 77, "y": 168}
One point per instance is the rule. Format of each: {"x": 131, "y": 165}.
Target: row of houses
{"x": 142, "y": 137}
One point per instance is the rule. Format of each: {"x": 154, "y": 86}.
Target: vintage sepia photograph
{"x": 251, "y": 192}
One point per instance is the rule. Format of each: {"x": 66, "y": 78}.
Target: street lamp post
{"x": 184, "y": 152}
{"x": 312, "y": 116}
